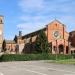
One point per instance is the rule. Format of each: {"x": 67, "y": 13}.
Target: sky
{"x": 30, "y": 15}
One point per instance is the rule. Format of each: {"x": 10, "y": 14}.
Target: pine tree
{"x": 41, "y": 44}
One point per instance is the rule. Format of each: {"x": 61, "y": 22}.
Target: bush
{"x": 62, "y": 57}
{"x": 28, "y": 57}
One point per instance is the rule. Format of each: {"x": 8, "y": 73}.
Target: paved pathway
{"x": 35, "y": 68}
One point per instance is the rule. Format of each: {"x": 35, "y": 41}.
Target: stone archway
{"x": 61, "y": 49}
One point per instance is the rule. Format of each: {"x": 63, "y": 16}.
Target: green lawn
{"x": 67, "y": 61}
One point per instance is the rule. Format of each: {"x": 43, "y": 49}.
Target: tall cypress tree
{"x": 4, "y": 46}
{"x": 41, "y": 44}
{"x": 15, "y": 38}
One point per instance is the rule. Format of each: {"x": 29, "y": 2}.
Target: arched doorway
{"x": 61, "y": 49}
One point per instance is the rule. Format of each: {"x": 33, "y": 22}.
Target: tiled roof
{"x": 33, "y": 33}
{"x": 57, "y": 21}
{"x": 72, "y": 32}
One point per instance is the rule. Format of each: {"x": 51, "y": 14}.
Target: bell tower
{"x": 1, "y": 31}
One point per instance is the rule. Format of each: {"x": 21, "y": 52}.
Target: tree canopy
{"x": 41, "y": 44}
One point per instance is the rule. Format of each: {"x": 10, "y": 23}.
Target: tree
{"x": 41, "y": 44}
{"x": 4, "y": 46}
{"x": 15, "y": 38}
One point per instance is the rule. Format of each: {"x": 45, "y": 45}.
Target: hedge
{"x": 28, "y": 57}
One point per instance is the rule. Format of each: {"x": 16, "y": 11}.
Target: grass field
{"x": 67, "y": 61}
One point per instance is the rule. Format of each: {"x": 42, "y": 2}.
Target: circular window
{"x": 56, "y": 34}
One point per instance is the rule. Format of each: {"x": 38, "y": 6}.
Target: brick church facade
{"x": 57, "y": 38}
{"x": 60, "y": 41}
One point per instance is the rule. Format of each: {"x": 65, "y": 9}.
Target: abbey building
{"x": 60, "y": 41}
{"x": 57, "y": 38}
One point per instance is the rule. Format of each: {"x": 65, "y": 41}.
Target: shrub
{"x": 28, "y": 57}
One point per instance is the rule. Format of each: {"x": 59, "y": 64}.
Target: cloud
{"x": 69, "y": 21}
{"x": 28, "y": 27}
{"x": 34, "y": 18}
{"x": 31, "y": 5}
{"x": 45, "y": 6}
{"x": 32, "y": 23}
{"x": 38, "y": 13}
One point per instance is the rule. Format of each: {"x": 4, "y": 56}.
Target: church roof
{"x": 56, "y": 21}
{"x": 33, "y": 33}
{"x": 72, "y": 32}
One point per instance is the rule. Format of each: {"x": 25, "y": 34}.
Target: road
{"x": 35, "y": 68}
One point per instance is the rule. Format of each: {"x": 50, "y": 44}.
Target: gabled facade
{"x": 58, "y": 36}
